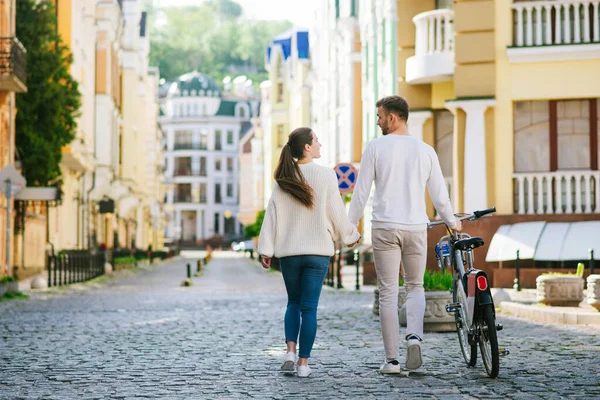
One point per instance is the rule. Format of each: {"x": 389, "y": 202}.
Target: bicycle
{"x": 472, "y": 302}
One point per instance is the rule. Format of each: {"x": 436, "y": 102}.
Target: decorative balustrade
{"x": 541, "y": 23}
{"x": 568, "y": 192}
{"x": 434, "y": 32}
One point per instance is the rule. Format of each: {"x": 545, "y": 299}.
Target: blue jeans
{"x": 303, "y": 277}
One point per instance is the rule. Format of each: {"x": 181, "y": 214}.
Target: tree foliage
{"x": 47, "y": 113}
{"x": 213, "y": 38}
{"x": 253, "y": 230}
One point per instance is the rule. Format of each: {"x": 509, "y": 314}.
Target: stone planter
{"x": 436, "y": 318}
{"x": 8, "y": 287}
{"x": 559, "y": 290}
{"x": 593, "y": 291}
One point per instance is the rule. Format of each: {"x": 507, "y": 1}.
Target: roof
{"x": 195, "y": 84}
{"x": 297, "y": 37}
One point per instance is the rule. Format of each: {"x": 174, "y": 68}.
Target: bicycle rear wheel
{"x": 469, "y": 351}
{"x": 488, "y": 342}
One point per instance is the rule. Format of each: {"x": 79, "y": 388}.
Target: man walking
{"x": 401, "y": 167}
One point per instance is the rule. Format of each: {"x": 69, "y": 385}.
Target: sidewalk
{"x": 524, "y": 304}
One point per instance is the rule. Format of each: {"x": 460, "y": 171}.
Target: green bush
{"x": 253, "y": 230}
{"x": 124, "y": 260}
{"x": 435, "y": 281}
{"x": 6, "y": 279}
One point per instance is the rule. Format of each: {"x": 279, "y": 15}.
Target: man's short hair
{"x": 394, "y": 104}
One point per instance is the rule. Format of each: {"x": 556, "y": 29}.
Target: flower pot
{"x": 559, "y": 290}
{"x": 593, "y": 291}
{"x": 8, "y": 287}
{"x": 436, "y": 318}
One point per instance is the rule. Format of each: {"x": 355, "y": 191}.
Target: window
{"x": 202, "y": 193}
{"x": 242, "y": 112}
{"x": 202, "y": 166}
{"x": 337, "y": 9}
{"x": 229, "y": 190}
{"x": 229, "y": 226}
{"x": 184, "y": 140}
{"x": 183, "y": 166}
{"x": 217, "y": 219}
{"x": 217, "y": 193}
{"x": 203, "y": 140}
{"x": 203, "y": 109}
{"x": 280, "y": 92}
{"x": 218, "y": 144}
{"x": 230, "y": 137}
{"x": 196, "y": 109}
{"x": 281, "y": 136}
{"x": 229, "y": 164}
{"x": 218, "y": 164}
{"x": 188, "y": 110}
{"x": 183, "y": 193}
{"x": 353, "y": 8}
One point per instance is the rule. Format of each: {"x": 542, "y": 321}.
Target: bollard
{"x": 189, "y": 271}
{"x": 357, "y": 263}
{"x": 591, "y": 261}
{"x": 199, "y": 267}
{"x": 339, "y": 269}
{"x": 517, "y": 285}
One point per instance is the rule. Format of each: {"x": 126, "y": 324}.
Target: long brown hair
{"x": 288, "y": 175}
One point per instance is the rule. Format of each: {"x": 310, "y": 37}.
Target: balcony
{"x": 560, "y": 192}
{"x": 434, "y": 48}
{"x": 13, "y": 65}
{"x": 555, "y": 31}
{"x": 188, "y": 146}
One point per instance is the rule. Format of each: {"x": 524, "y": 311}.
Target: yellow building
{"x": 507, "y": 93}
{"x": 13, "y": 77}
{"x": 286, "y": 106}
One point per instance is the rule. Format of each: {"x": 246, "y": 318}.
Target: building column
{"x": 475, "y": 186}
{"x": 199, "y": 225}
{"x": 416, "y": 121}
{"x": 177, "y": 228}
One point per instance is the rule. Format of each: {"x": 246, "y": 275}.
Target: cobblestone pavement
{"x": 143, "y": 336}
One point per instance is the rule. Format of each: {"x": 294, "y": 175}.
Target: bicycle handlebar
{"x": 476, "y": 215}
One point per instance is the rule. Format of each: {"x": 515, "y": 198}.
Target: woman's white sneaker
{"x": 390, "y": 367}
{"x": 289, "y": 363}
{"x": 303, "y": 371}
{"x": 414, "y": 359}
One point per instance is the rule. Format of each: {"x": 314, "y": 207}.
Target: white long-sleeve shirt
{"x": 291, "y": 229}
{"x": 401, "y": 167}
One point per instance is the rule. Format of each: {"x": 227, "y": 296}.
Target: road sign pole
{"x": 8, "y": 212}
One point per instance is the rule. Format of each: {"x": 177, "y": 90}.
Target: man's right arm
{"x": 366, "y": 176}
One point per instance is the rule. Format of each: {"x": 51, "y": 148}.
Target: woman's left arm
{"x": 343, "y": 229}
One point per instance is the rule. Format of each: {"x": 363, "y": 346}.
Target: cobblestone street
{"x": 143, "y": 336}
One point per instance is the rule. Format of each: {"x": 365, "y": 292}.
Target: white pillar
{"x": 177, "y": 228}
{"x": 416, "y": 120}
{"x": 475, "y": 159}
{"x": 199, "y": 225}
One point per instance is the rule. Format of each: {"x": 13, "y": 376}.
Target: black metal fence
{"x": 72, "y": 267}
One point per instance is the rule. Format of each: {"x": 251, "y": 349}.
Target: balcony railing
{"x": 13, "y": 65}
{"x": 183, "y": 198}
{"x": 434, "y": 47}
{"x": 188, "y": 146}
{"x": 540, "y": 23}
{"x": 568, "y": 192}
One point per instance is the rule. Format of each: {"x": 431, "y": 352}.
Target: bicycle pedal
{"x": 453, "y": 307}
{"x": 499, "y": 327}
{"x": 503, "y": 352}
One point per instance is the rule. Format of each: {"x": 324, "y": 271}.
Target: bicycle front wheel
{"x": 469, "y": 351}
{"x": 488, "y": 342}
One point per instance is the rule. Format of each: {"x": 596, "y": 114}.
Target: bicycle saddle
{"x": 469, "y": 244}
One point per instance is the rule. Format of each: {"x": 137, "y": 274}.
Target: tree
{"x": 253, "y": 230}
{"x": 212, "y": 38}
{"x": 47, "y": 113}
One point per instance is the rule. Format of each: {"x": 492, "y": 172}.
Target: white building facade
{"x": 203, "y": 127}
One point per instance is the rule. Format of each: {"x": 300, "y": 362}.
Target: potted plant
{"x": 593, "y": 291}
{"x": 8, "y": 284}
{"x": 437, "y": 285}
{"x": 560, "y": 289}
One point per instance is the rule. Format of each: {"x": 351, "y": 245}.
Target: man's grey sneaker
{"x": 303, "y": 371}
{"x": 390, "y": 367}
{"x": 414, "y": 359}
{"x": 289, "y": 363}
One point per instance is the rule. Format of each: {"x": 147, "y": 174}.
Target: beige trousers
{"x": 390, "y": 247}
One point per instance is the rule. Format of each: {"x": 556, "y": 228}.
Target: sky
{"x": 298, "y": 12}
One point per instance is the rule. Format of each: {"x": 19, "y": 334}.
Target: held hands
{"x": 355, "y": 243}
{"x": 265, "y": 262}
{"x": 458, "y": 226}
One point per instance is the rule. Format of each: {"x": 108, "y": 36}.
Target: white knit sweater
{"x": 291, "y": 229}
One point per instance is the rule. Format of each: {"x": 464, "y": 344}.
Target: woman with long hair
{"x": 304, "y": 217}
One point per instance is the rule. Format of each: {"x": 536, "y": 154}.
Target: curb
{"x": 552, "y": 315}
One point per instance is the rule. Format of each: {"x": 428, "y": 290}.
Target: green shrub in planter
{"x": 435, "y": 281}
{"x": 124, "y": 260}
{"x": 6, "y": 279}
